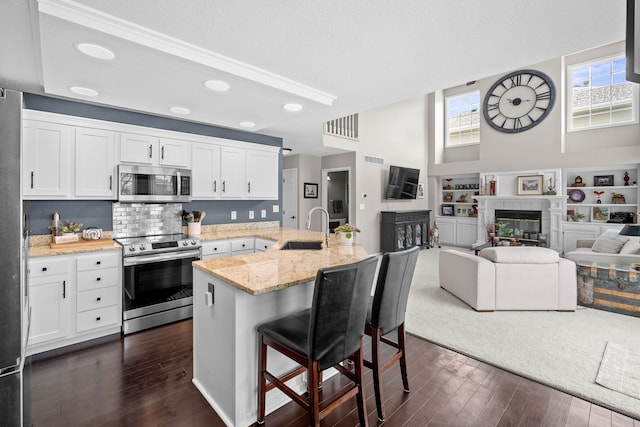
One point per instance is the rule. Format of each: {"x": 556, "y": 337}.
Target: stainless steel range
{"x": 156, "y": 259}
{"x": 158, "y": 279}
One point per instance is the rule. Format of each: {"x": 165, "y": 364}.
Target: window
{"x": 599, "y": 95}
{"x": 463, "y": 119}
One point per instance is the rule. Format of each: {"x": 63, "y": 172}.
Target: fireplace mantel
{"x": 521, "y": 198}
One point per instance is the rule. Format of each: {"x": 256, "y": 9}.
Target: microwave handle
{"x": 179, "y": 182}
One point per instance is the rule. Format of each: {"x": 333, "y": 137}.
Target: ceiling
{"x": 333, "y": 57}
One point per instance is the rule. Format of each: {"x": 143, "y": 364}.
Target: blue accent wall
{"x": 97, "y": 213}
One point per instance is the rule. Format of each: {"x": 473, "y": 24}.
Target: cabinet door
{"x": 49, "y": 300}
{"x": 174, "y": 152}
{"x": 466, "y": 233}
{"x": 46, "y": 160}
{"x": 205, "y": 173}
{"x": 232, "y": 172}
{"x": 262, "y": 175}
{"x": 95, "y": 163}
{"x": 216, "y": 249}
{"x": 136, "y": 148}
{"x": 447, "y": 232}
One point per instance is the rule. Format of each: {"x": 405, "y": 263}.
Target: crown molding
{"x": 82, "y": 15}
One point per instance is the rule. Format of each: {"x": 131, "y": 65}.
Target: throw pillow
{"x": 631, "y": 247}
{"x": 609, "y": 242}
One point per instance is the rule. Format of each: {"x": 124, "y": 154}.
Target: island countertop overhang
{"x": 275, "y": 269}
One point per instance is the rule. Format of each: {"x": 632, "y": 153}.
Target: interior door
{"x": 290, "y": 198}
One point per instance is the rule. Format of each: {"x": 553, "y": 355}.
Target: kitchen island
{"x": 245, "y": 291}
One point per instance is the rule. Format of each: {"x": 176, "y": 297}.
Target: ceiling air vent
{"x": 371, "y": 159}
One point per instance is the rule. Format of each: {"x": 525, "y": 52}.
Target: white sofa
{"x": 510, "y": 278}
{"x": 611, "y": 249}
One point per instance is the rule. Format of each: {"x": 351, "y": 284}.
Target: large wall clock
{"x": 519, "y": 101}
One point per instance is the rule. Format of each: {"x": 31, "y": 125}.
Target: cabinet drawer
{"x": 97, "y": 298}
{"x": 102, "y": 260}
{"x": 216, "y": 248}
{"x": 99, "y": 318}
{"x": 47, "y": 267}
{"x": 98, "y": 278}
{"x": 242, "y": 244}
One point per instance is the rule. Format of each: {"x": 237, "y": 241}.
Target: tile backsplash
{"x": 144, "y": 219}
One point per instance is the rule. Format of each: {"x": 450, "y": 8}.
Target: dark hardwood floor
{"x": 144, "y": 379}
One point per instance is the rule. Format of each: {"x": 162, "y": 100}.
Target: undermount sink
{"x": 302, "y": 245}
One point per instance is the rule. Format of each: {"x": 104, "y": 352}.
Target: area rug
{"x": 560, "y": 349}
{"x": 620, "y": 370}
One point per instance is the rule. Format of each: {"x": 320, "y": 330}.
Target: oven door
{"x": 158, "y": 288}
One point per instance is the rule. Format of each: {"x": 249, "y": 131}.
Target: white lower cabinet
{"x": 232, "y": 247}
{"x": 457, "y": 231}
{"x": 216, "y": 249}
{"x": 262, "y": 245}
{"x": 50, "y": 299}
{"x": 74, "y": 298}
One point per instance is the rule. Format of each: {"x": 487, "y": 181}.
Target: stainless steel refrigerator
{"x": 15, "y": 409}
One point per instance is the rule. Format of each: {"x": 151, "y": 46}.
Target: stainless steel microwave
{"x": 153, "y": 184}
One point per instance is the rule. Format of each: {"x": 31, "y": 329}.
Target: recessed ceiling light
{"x": 286, "y": 151}
{"x": 292, "y": 106}
{"x": 95, "y": 51}
{"x": 84, "y": 91}
{"x": 217, "y": 85}
{"x": 247, "y": 124}
{"x": 180, "y": 110}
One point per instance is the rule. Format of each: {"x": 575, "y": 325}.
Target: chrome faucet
{"x": 309, "y": 221}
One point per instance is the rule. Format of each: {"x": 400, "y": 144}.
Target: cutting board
{"x": 83, "y": 244}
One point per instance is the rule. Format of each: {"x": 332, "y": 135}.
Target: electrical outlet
{"x": 276, "y": 208}
{"x": 263, "y": 213}
{"x": 234, "y": 215}
{"x": 251, "y": 215}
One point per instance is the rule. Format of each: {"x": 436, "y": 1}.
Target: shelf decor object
{"x": 603, "y": 180}
{"x": 576, "y": 195}
{"x": 530, "y": 185}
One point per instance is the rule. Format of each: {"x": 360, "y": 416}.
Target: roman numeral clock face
{"x": 519, "y": 101}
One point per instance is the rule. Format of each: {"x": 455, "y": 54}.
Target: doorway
{"x": 289, "y": 198}
{"x": 336, "y": 195}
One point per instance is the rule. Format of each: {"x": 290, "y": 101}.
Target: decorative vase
{"x": 344, "y": 238}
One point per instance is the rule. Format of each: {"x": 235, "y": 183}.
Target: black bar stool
{"x": 321, "y": 337}
{"x": 386, "y": 313}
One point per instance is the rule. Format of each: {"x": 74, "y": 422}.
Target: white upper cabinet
{"x": 46, "y": 160}
{"x": 95, "y": 164}
{"x": 262, "y": 174}
{"x": 175, "y": 152}
{"x": 205, "y": 172}
{"x": 233, "y": 173}
{"x": 154, "y": 151}
{"x": 138, "y": 149}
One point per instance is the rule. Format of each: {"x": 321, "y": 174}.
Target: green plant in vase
{"x": 347, "y": 229}
{"x": 70, "y": 227}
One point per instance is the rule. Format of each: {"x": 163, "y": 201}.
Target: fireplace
{"x": 523, "y": 226}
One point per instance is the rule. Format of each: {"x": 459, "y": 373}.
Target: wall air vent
{"x": 371, "y": 159}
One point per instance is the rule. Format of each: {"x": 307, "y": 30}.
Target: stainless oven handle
{"x": 168, "y": 256}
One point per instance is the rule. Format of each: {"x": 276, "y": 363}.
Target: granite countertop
{"x": 275, "y": 269}
{"x": 277, "y": 234}
{"x": 39, "y": 246}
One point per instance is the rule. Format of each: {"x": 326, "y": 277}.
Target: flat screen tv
{"x": 402, "y": 183}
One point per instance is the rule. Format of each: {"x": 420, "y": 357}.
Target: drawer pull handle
{"x": 98, "y": 319}
{"x": 98, "y": 262}
{"x": 64, "y": 289}
{"x": 99, "y": 299}
{"x": 44, "y": 268}
{"x": 98, "y": 279}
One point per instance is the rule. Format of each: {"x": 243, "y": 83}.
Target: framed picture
{"x": 447, "y": 210}
{"x": 600, "y": 213}
{"x": 603, "y": 180}
{"x": 310, "y": 190}
{"x": 420, "y": 194}
{"x": 530, "y": 185}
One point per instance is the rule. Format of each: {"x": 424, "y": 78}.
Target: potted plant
{"x": 344, "y": 233}
{"x": 70, "y": 228}
{"x": 579, "y": 217}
